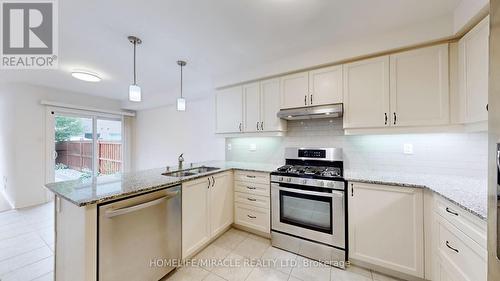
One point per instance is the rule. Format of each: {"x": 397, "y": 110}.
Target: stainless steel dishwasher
{"x": 138, "y": 235}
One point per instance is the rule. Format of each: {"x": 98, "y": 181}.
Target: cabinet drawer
{"x": 472, "y": 226}
{"x": 253, "y": 200}
{"x": 252, "y": 217}
{"x": 252, "y": 177}
{"x": 459, "y": 252}
{"x": 252, "y": 188}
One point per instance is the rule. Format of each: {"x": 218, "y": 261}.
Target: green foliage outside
{"x": 66, "y": 127}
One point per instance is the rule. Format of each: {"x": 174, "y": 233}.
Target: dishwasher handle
{"x": 118, "y": 212}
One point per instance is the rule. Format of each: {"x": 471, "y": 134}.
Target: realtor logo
{"x": 29, "y": 34}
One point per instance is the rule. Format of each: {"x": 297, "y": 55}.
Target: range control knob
{"x": 280, "y": 179}
{"x": 320, "y": 183}
{"x": 289, "y": 179}
{"x": 330, "y": 184}
{"x": 304, "y": 181}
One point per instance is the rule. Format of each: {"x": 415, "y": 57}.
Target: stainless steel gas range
{"x": 308, "y": 205}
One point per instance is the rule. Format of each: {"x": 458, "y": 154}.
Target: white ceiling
{"x": 214, "y": 36}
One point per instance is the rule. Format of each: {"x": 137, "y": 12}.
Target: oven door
{"x": 316, "y": 214}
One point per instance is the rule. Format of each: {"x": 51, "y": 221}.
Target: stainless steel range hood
{"x": 312, "y": 112}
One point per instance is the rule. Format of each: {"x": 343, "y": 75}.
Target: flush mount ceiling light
{"x": 85, "y": 75}
{"x": 181, "y": 102}
{"x": 134, "y": 91}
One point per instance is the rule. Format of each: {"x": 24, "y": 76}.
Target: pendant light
{"x": 134, "y": 91}
{"x": 181, "y": 102}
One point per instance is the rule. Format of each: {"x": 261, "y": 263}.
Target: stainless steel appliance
{"x": 139, "y": 235}
{"x": 308, "y": 205}
{"x": 312, "y": 112}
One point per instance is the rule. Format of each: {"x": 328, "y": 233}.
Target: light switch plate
{"x": 408, "y": 148}
{"x": 252, "y": 147}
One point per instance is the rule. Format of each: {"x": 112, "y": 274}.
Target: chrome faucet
{"x": 181, "y": 159}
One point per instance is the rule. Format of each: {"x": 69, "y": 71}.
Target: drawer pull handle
{"x": 251, "y": 188}
{"x": 450, "y": 247}
{"x": 249, "y": 176}
{"x": 451, "y": 212}
{"x": 252, "y": 199}
{"x": 252, "y": 217}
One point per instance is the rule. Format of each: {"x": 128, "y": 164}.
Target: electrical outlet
{"x": 252, "y": 147}
{"x": 408, "y": 148}
{"x": 229, "y": 147}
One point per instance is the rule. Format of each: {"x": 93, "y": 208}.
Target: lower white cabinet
{"x": 207, "y": 210}
{"x": 386, "y": 227}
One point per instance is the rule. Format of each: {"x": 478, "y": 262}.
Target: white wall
{"x": 22, "y": 137}
{"x": 447, "y": 154}
{"x": 164, "y": 133}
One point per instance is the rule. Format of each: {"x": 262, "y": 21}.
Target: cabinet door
{"x": 270, "y": 106}
{"x": 195, "y": 215}
{"x": 473, "y": 64}
{"x": 325, "y": 85}
{"x": 229, "y": 110}
{"x": 295, "y": 90}
{"x": 419, "y": 87}
{"x": 386, "y": 227}
{"x": 251, "y": 101}
{"x": 221, "y": 203}
{"x": 366, "y": 93}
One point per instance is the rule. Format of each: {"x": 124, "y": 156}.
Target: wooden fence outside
{"x": 77, "y": 155}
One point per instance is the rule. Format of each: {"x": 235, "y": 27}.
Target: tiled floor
{"x": 27, "y": 244}
{"x": 236, "y": 249}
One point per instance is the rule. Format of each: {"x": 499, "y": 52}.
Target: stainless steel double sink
{"x": 190, "y": 172}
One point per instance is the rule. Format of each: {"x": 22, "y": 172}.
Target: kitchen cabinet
{"x": 229, "y": 110}
{"x": 386, "y": 227}
{"x": 221, "y": 203}
{"x": 473, "y": 72}
{"x": 325, "y": 85}
{"x": 317, "y": 87}
{"x": 419, "y": 87}
{"x": 252, "y": 102}
{"x": 366, "y": 93}
{"x": 270, "y": 105}
{"x": 294, "y": 90}
{"x": 207, "y": 210}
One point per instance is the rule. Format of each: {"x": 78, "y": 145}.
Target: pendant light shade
{"x": 134, "y": 91}
{"x": 181, "y": 102}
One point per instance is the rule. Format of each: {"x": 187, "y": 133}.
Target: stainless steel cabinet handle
{"x": 118, "y": 212}
{"x": 311, "y": 99}
{"x": 257, "y": 125}
{"x": 251, "y": 188}
{"x": 395, "y": 118}
{"x": 450, "y": 247}
{"x": 252, "y": 217}
{"x": 385, "y": 118}
{"x": 213, "y": 181}
{"x": 240, "y": 126}
{"x": 209, "y": 183}
{"x": 249, "y": 176}
{"x": 451, "y": 212}
{"x": 252, "y": 199}
{"x": 262, "y": 126}
{"x": 305, "y": 100}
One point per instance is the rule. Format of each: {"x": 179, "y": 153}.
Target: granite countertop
{"x": 96, "y": 190}
{"x": 468, "y": 193}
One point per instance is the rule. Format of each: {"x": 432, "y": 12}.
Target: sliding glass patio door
{"x": 84, "y": 145}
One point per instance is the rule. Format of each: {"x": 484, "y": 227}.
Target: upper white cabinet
{"x": 317, "y": 87}
{"x": 325, "y": 85}
{"x": 270, "y": 105}
{"x": 252, "y": 102}
{"x": 229, "y": 110}
{"x": 386, "y": 227}
{"x": 473, "y": 72}
{"x": 420, "y": 87}
{"x": 366, "y": 93}
{"x": 295, "y": 90}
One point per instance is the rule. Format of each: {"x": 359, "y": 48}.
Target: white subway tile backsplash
{"x": 451, "y": 154}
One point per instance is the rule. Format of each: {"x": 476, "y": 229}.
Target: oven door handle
{"x": 334, "y": 193}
